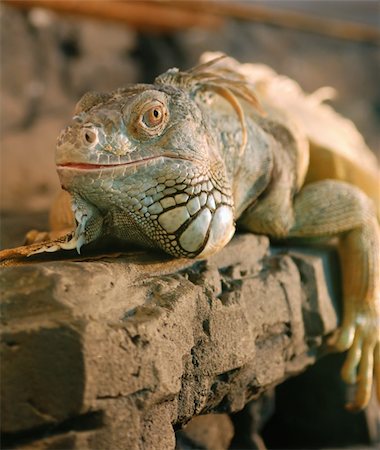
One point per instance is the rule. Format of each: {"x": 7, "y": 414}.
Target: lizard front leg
{"x": 89, "y": 227}
{"x": 61, "y": 220}
{"x": 329, "y": 208}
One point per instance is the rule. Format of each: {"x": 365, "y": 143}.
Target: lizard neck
{"x": 249, "y": 171}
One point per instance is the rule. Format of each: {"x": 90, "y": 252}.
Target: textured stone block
{"x": 146, "y": 344}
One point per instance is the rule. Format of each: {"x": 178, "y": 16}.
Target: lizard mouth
{"x": 90, "y": 166}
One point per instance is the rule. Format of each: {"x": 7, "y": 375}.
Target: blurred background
{"x": 52, "y": 52}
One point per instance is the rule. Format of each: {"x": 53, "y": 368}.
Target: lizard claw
{"x": 16, "y": 255}
{"x": 89, "y": 227}
{"x": 68, "y": 242}
{"x": 362, "y": 365}
{"x": 80, "y": 241}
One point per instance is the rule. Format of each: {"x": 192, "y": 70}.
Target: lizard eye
{"x": 90, "y": 135}
{"x": 153, "y": 116}
{"x": 147, "y": 116}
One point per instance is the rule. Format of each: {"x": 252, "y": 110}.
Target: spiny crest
{"x": 225, "y": 82}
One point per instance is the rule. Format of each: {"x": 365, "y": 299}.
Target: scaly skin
{"x": 176, "y": 164}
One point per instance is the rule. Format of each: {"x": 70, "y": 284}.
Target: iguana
{"x": 176, "y": 164}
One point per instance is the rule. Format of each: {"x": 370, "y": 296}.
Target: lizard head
{"x": 149, "y": 152}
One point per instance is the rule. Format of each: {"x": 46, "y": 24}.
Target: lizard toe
{"x": 362, "y": 363}
{"x": 343, "y": 338}
{"x": 349, "y": 369}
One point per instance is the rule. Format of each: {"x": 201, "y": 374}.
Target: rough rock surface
{"x": 97, "y": 354}
{"x": 210, "y": 432}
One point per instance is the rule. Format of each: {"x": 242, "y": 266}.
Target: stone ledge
{"x": 146, "y": 345}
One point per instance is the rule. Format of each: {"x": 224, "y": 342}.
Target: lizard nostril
{"x": 90, "y": 136}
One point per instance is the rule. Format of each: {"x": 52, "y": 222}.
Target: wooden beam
{"x": 248, "y": 11}
{"x": 143, "y": 15}
{"x": 168, "y": 16}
